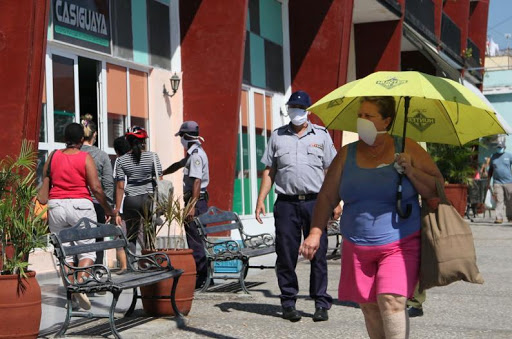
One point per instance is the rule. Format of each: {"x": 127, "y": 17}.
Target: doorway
{"x": 88, "y": 74}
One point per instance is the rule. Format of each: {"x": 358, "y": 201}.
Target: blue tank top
{"x": 369, "y": 195}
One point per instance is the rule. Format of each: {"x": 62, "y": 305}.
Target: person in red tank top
{"x": 72, "y": 174}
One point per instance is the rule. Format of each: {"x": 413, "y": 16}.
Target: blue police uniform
{"x": 195, "y": 166}
{"x": 300, "y": 163}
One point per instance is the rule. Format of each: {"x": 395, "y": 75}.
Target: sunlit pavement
{"x": 460, "y": 310}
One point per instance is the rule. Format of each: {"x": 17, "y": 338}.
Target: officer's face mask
{"x": 184, "y": 142}
{"x": 367, "y": 131}
{"x": 500, "y": 150}
{"x": 298, "y": 116}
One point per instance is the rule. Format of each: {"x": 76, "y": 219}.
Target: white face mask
{"x": 184, "y": 142}
{"x": 298, "y": 116}
{"x": 367, "y": 131}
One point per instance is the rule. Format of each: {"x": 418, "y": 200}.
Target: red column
{"x": 377, "y": 47}
{"x": 212, "y": 54}
{"x": 479, "y": 11}
{"x": 458, "y": 11}
{"x": 319, "y": 47}
{"x": 23, "y": 26}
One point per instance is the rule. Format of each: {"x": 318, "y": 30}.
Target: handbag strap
{"x": 48, "y": 169}
{"x": 156, "y": 169}
{"x": 441, "y": 194}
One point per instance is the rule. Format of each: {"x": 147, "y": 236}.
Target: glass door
{"x": 60, "y": 104}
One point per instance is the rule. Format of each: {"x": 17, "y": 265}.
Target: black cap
{"x": 188, "y": 127}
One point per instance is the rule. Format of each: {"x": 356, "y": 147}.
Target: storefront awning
{"x": 438, "y": 58}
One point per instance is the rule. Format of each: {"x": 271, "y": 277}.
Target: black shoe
{"x": 320, "y": 314}
{"x": 290, "y": 313}
{"x": 415, "y": 312}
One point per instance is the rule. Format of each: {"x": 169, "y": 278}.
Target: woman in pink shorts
{"x": 381, "y": 250}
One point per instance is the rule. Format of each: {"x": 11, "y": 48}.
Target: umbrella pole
{"x": 408, "y": 209}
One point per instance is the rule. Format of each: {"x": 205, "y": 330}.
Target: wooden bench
{"x": 142, "y": 270}
{"x": 249, "y": 246}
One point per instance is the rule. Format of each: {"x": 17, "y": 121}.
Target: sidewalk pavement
{"x": 461, "y": 310}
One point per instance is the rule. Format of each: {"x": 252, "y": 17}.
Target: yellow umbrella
{"x": 441, "y": 110}
{"x": 436, "y": 109}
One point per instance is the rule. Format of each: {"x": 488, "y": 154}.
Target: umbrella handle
{"x": 408, "y": 207}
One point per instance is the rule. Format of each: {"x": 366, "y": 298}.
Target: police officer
{"x": 195, "y": 181}
{"x": 296, "y": 158}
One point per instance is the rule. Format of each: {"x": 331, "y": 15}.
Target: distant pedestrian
{"x": 296, "y": 158}
{"x": 135, "y": 173}
{"x": 73, "y": 173}
{"x": 196, "y": 177}
{"x": 104, "y": 168}
{"x": 121, "y": 147}
{"x": 500, "y": 172}
{"x": 381, "y": 251}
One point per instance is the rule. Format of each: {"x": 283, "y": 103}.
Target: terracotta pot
{"x": 180, "y": 258}
{"x": 20, "y": 310}
{"x": 457, "y": 194}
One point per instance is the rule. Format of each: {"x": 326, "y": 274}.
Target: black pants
{"x": 195, "y": 243}
{"x": 134, "y": 208}
{"x": 100, "y": 215}
{"x": 292, "y": 220}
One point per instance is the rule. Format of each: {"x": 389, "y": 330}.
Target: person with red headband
{"x": 137, "y": 168}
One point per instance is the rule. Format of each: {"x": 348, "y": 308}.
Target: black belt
{"x": 298, "y": 197}
{"x": 202, "y": 196}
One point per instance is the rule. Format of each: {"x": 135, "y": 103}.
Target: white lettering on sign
{"x": 80, "y": 17}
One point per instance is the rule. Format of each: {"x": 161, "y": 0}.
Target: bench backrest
{"x": 216, "y": 220}
{"x": 87, "y": 229}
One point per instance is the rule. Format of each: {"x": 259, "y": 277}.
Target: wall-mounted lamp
{"x": 175, "y": 84}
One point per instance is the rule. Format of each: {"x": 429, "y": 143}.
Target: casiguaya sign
{"x": 83, "y": 23}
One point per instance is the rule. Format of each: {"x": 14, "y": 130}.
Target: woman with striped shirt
{"x": 137, "y": 168}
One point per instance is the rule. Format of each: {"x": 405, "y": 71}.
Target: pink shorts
{"x": 367, "y": 271}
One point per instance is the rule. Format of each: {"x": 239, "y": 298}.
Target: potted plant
{"x": 458, "y": 165}
{"x": 21, "y": 231}
{"x": 169, "y": 214}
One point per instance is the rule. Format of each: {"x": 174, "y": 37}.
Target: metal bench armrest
{"x": 152, "y": 261}
{"x": 258, "y": 240}
{"x": 92, "y": 275}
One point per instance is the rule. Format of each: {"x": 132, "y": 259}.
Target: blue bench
{"x": 221, "y": 252}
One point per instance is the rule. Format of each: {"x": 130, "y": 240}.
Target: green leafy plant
{"x": 458, "y": 164}
{"x": 20, "y": 228}
{"x": 171, "y": 213}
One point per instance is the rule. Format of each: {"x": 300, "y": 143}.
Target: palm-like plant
{"x": 20, "y": 228}
{"x": 170, "y": 213}
{"x": 457, "y": 164}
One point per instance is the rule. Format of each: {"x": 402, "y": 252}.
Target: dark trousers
{"x": 100, "y": 216}
{"x": 195, "y": 243}
{"x": 293, "y": 219}
{"x": 134, "y": 208}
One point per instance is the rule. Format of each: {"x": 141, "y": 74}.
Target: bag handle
{"x": 441, "y": 193}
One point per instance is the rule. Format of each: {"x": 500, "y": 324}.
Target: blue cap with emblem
{"x": 299, "y": 98}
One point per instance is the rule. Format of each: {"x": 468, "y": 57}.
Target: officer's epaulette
{"x": 322, "y": 128}
{"x": 195, "y": 151}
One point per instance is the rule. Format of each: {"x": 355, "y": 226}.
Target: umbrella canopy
{"x": 441, "y": 110}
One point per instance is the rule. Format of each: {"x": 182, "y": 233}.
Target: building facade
{"x": 238, "y": 61}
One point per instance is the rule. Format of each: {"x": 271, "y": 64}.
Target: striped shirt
{"x": 139, "y": 177}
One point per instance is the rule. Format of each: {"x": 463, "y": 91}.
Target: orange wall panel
{"x": 116, "y": 89}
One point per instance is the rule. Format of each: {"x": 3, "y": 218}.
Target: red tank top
{"x": 68, "y": 176}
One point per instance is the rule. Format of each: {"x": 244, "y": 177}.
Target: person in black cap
{"x": 195, "y": 181}
{"x": 296, "y": 159}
